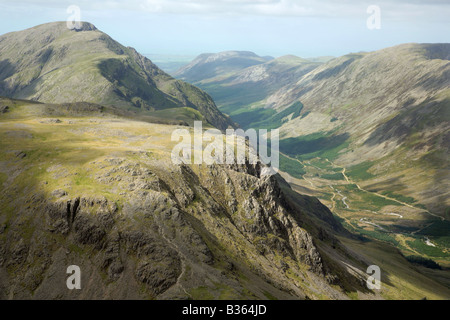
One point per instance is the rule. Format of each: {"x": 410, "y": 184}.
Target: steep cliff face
{"x": 139, "y": 226}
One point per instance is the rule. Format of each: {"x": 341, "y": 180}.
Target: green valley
{"x": 366, "y": 133}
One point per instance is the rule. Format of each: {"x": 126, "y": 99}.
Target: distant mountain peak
{"x": 208, "y": 65}
{"x": 62, "y": 26}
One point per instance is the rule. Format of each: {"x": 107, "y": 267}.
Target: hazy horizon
{"x": 266, "y": 27}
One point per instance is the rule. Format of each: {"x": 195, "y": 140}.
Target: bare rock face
{"x": 267, "y": 212}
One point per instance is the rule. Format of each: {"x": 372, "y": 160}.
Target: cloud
{"x": 255, "y": 7}
{"x": 275, "y": 27}
{"x": 397, "y": 9}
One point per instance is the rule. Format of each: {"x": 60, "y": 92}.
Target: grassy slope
{"x": 399, "y": 279}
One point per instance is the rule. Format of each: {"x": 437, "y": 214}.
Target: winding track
{"x": 381, "y": 195}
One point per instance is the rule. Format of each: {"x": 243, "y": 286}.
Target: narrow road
{"x": 332, "y": 198}
{"x": 343, "y": 198}
{"x": 364, "y": 220}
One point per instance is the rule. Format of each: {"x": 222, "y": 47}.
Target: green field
{"x": 294, "y": 168}
{"x": 359, "y": 171}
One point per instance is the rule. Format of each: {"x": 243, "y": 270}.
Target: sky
{"x": 304, "y": 28}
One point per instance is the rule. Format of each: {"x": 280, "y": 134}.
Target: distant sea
{"x": 169, "y": 62}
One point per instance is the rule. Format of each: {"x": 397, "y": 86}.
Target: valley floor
{"x": 414, "y": 230}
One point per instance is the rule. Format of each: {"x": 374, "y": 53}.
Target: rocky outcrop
{"x": 266, "y": 217}
{"x": 164, "y": 231}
